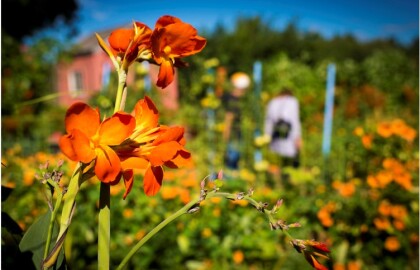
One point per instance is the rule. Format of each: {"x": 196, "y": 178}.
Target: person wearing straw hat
{"x": 232, "y": 123}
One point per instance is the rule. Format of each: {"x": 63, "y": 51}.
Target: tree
{"x": 35, "y": 15}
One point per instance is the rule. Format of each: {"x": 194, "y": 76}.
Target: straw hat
{"x": 240, "y": 80}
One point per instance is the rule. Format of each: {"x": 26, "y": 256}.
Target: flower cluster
{"x": 122, "y": 143}
{"x": 171, "y": 40}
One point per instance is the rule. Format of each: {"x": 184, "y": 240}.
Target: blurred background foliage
{"x": 362, "y": 199}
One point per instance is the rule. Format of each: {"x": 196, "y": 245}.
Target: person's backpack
{"x": 281, "y": 129}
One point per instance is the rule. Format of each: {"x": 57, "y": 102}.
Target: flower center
{"x": 167, "y": 50}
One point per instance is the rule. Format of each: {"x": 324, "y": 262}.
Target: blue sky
{"x": 365, "y": 19}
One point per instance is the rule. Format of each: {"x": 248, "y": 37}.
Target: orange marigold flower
{"x": 238, "y": 257}
{"x": 345, "y": 189}
{"x": 151, "y": 147}
{"x": 171, "y": 40}
{"x": 398, "y": 224}
{"x": 392, "y": 243}
{"x": 384, "y": 208}
{"x": 367, "y": 141}
{"x": 383, "y": 178}
{"x": 353, "y": 265}
{"x": 404, "y": 179}
{"x": 397, "y": 125}
{"x": 372, "y": 181}
{"x": 399, "y": 212}
{"x": 382, "y": 223}
{"x": 384, "y": 129}
{"x": 408, "y": 133}
{"x": 358, "y": 131}
{"x": 88, "y": 139}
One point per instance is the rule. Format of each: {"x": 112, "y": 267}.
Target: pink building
{"x": 89, "y": 70}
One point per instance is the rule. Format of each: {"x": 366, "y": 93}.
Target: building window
{"x": 75, "y": 82}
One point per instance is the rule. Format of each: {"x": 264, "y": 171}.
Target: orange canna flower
{"x": 88, "y": 139}
{"x": 151, "y": 147}
{"x": 130, "y": 44}
{"x": 171, "y": 40}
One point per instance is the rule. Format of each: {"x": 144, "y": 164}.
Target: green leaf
{"x": 34, "y": 241}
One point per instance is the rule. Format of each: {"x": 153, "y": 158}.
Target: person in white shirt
{"x": 282, "y": 124}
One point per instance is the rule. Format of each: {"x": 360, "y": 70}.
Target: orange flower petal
{"x": 134, "y": 163}
{"x": 163, "y": 153}
{"x": 153, "y": 180}
{"x": 166, "y": 20}
{"x": 76, "y": 146}
{"x": 81, "y": 116}
{"x": 128, "y": 177}
{"x": 166, "y": 74}
{"x": 170, "y": 134}
{"x": 107, "y": 165}
{"x": 183, "y": 40}
{"x": 146, "y": 114}
{"x": 67, "y": 147}
{"x": 120, "y": 39}
{"x": 181, "y": 159}
{"x": 116, "y": 129}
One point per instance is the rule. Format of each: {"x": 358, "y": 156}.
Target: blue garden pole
{"x": 328, "y": 112}
{"x": 211, "y": 115}
{"x": 328, "y": 115}
{"x": 257, "y": 76}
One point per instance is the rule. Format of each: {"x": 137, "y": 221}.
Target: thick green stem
{"x": 121, "y": 91}
{"x": 104, "y": 221}
{"x": 104, "y": 228}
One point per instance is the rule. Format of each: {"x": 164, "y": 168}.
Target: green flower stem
{"x": 155, "y": 230}
{"x": 104, "y": 226}
{"x": 121, "y": 91}
{"x": 53, "y": 215}
{"x": 189, "y": 208}
{"x": 104, "y": 218}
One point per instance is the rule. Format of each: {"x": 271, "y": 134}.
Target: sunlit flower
{"x": 171, "y": 40}
{"x": 151, "y": 146}
{"x": 312, "y": 249}
{"x": 88, "y": 139}
{"x": 392, "y": 243}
